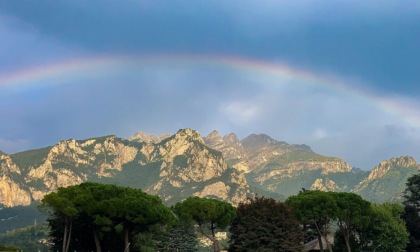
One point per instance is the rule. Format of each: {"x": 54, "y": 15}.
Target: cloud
{"x": 240, "y": 112}
{"x": 371, "y": 43}
{"x": 320, "y": 134}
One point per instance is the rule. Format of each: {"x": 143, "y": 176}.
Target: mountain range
{"x": 184, "y": 164}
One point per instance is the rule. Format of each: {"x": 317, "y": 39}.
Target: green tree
{"x": 411, "y": 214}
{"x": 62, "y": 205}
{"x": 136, "y": 211}
{"x": 211, "y": 215}
{"x": 412, "y": 192}
{"x": 352, "y": 212}
{"x": 386, "y": 228}
{"x": 384, "y": 231}
{"x": 264, "y": 224}
{"x": 412, "y": 222}
{"x": 104, "y": 211}
{"x": 175, "y": 238}
{"x": 316, "y": 210}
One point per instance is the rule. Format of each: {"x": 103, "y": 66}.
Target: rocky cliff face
{"x": 271, "y": 164}
{"x": 147, "y": 138}
{"x": 173, "y": 168}
{"x": 72, "y": 162}
{"x": 186, "y": 161}
{"x": 12, "y": 192}
{"x": 184, "y": 164}
{"x": 229, "y": 145}
{"x": 387, "y": 180}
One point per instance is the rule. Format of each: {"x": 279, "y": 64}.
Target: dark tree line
{"x": 110, "y": 215}
{"x": 411, "y": 213}
{"x": 264, "y": 224}
{"x": 92, "y": 216}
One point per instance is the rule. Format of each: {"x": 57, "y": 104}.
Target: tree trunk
{"x": 65, "y": 234}
{"x": 216, "y": 247}
{"x": 97, "y": 241}
{"x": 319, "y": 234}
{"x": 127, "y": 240}
{"x": 69, "y": 236}
{"x": 346, "y": 234}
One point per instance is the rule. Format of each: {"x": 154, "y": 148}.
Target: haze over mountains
{"x": 184, "y": 164}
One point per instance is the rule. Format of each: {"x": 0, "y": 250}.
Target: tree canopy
{"x": 102, "y": 209}
{"x": 412, "y": 191}
{"x": 315, "y": 210}
{"x": 264, "y": 224}
{"x": 411, "y": 213}
{"x": 211, "y": 215}
{"x": 352, "y": 212}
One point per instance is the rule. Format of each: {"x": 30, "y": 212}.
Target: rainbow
{"x": 75, "y": 68}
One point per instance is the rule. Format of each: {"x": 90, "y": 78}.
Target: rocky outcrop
{"x": 229, "y": 145}
{"x": 326, "y": 185}
{"x": 170, "y": 165}
{"x": 12, "y": 191}
{"x": 384, "y": 168}
{"x": 72, "y": 162}
{"x": 186, "y": 161}
{"x": 147, "y": 138}
{"x": 387, "y": 180}
{"x": 270, "y": 163}
{"x": 184, "y": 164}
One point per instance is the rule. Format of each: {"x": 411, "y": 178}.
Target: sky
{"x": 340, "y": 76}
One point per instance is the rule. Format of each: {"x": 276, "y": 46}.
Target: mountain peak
{"x": 189, "y": 134}
{"x": 254, "y": 140}
{"x": 147, "y": 138}
{"x": 214, "y": 134}
{"x": 386, "y": 165}
{"x": 231, "y": 137}
{"x": 399, "y": 169}
{"x": 403, "y": 161}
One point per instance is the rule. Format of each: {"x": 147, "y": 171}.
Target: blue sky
{"x": 369, "y": 47}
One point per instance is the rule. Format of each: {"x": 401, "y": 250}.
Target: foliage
{"x": 20, "y": 217}
{"x": 167, "y": 238}
{"x": 29, "y": 158}
{"x": 63, "y": 204}
{"x": 352, "y": 213}
{"x": 8, "y": 248}
{"x": 211, "y": 215}
{"x": 384, "y": 231}
{"x": 387, "y": 230}
{"x": 315, "y": 210}
{"x": 412, "y": 191}
{"x": 31, "y": 238}
{"x": 264, "y": 224}
{"x": 101, "y": 212}
{"x": 411, "y": 213}
{"x": 179, "y": 238}
{"x": 412, "y": 222}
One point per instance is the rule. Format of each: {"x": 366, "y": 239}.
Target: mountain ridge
{"x": 185, "y": 163}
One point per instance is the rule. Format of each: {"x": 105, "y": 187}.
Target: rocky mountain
{"x": 277, "y": 167}
{"x": 387, "y": 180}
{"x": 11, "y": 183}
{"x": 184, "y": 164}
{"x": 173, "y": 168}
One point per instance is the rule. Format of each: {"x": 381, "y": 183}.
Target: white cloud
{"x": 320, "y": 134}
{"x": 240, "y": 112}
